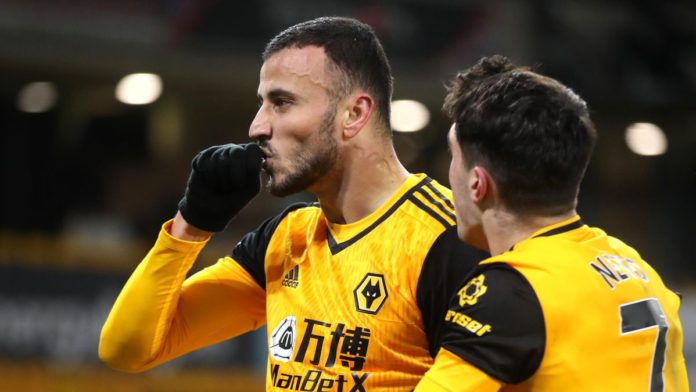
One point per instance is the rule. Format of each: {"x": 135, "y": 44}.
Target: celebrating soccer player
{"x": 560, "y": 306}
{"x": 352, "y": 287}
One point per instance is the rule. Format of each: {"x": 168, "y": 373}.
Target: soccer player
{"x": 560, "y": 306}
{"x": 352, "y": 287}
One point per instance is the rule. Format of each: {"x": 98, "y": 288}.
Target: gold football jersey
{"x": 569, "y": 309}
{"x": 353, "y": 307}
{"x": 345, "y": 304}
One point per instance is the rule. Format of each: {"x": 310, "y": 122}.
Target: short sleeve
{"x": 495, "y": 322}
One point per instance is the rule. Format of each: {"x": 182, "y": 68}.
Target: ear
{"x": 357, "y": 113}
{"x": 480, "y": 184}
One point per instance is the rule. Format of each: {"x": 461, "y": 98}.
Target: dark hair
{"x": 531, "y": 132}
{"x": 352, "y": 47}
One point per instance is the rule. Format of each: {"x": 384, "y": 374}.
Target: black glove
{"x": 223, "y": 180}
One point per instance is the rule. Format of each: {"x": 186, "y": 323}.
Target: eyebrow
{"x": 277, "y": 93}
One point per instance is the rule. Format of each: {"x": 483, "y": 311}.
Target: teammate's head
{"x": 353, "y": 50}
{"x": 530, "y": 132}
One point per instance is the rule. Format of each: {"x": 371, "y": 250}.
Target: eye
{"x": 281, "y": 103}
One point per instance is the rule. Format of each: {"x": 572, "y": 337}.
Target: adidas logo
{"x": 292, "y": 278}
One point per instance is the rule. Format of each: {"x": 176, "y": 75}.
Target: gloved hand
{"x": 223, "y": 180}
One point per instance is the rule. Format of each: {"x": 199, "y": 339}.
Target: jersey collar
{"x": 560, "y": 227}
{"x": 341, "y": 236}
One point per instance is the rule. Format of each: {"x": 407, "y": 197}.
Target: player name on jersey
{"x": 615, "y": 269}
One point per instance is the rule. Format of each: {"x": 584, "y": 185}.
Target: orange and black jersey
{"x": 568, "y": 309}
{"x": 358, "y": 305}
{"x": 348, "y": 307}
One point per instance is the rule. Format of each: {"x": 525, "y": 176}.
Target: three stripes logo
{"x": 292, "y": 278}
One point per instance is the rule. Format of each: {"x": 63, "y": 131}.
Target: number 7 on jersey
{"x": 639, "y": 316}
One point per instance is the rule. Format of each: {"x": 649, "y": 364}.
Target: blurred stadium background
{"x": 87, "y": 179}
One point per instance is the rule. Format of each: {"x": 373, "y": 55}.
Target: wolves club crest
{"x": 370, "y": 294}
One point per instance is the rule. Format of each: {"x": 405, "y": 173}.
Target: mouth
{"x": 265, "y": 150}
{"x": 266, "y": 158}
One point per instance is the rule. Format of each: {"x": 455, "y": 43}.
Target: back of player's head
{"x": 532, "y": 133}
{"x": 354, "y": 50}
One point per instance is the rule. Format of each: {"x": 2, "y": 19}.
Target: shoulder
{"x": 266, "y": 229}
{"x": 250, "y": 251}
{"x": 429, "y": 204}
{"x": 447, "y": 263}
{"x": 496, "y": 323}
{"x": 489, "y": 284}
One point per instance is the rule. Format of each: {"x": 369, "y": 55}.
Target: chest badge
{"x": 370, "y": 294}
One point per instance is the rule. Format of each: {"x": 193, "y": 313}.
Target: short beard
{"x": 311, "y": 165}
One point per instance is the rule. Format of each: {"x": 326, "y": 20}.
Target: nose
{"x": 260, "y": 127}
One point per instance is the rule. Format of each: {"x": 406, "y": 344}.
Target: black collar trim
{"x": 562, "y": 229}
{"x": 336, "y": 247}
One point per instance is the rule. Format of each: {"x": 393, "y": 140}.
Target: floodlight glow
{"x": 409, "y": 116}
{"x": 139, "y": 88}
{"x": 646, "y": 139}
{"x": 37, "y": 97}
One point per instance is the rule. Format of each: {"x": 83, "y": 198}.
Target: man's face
{"x": 468, "y": 214}
{"x": 295, "y": 125}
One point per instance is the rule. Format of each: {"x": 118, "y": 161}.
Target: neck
{"x": 505, "y": 229}
{"x": 368, "y": 176}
